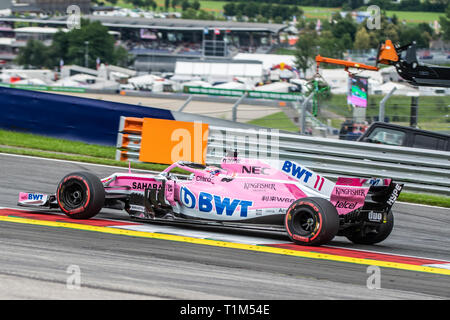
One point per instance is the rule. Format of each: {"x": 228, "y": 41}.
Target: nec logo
{"x": 255, "y": 170}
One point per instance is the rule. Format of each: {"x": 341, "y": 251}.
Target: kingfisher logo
{"x": 208, "y": 203}
{"x": 296, "y": 171}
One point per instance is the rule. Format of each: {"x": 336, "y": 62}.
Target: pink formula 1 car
{"x": 257, "y": 194}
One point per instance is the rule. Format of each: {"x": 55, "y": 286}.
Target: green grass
{"x": 26, "y": 140}
{"x": 216, "y": 6}
{"x": 310, "y": 12}
{"x": 40, "y": 146}
{"x": 284, "y": 51}
{"x": 415, "y": 16}
{"x": 212, "y": 5}
{"x": 433, "y": 200}
{"x": 277, "y": 120}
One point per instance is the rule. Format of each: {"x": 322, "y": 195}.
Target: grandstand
{"x": 159, "y": 43}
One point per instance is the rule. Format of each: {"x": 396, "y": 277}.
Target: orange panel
{"x": 133, "y": 125}
{"x": 387, "y": 53}
{"x": 168, "y": 141}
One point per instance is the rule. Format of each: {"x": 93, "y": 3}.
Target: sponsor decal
{"x": 350, "y": 191}
{"x": 231, "y": 160}
{"x": 143, "y": 186}
{"x": 375, "y": 216}
{"x": 278, "y": 199}
{"x": 259, "y": 186}
{"x": 395, "y": 194}
{"x": 300, "y": 238}
{"x": 35, "y": 197}
{"x": 345, "y": 204}
{"x": 255, "y": 170}
{"x": 203, "y": 179}
{"x": 296, "y": 171}
{"x": 208, "y": 203}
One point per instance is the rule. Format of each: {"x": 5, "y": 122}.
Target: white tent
{"x": 268, "y": 60}
{"x": 231, "y": 85}
{"x": 87, "y": 81}
{"x": 145, "y": 81}
{"x": 215, "y": 71}
{"x": 197, "y": 83}
{"x": 276, "y": 87}
{"x": 43, "y": 74}
{"x": 66, "y": 83}
{"x": 34, "y": 82}
{"x": 402, "y": 89}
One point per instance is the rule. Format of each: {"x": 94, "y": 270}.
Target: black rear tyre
{"x": 311, "y": 221}
{"x": 373, "y": 235}
{"x": 80, "y": 195}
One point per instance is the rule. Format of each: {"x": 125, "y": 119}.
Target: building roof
{"x": 163, "y": 24}
{"x": 5, "y": 4}
{"x": 187, "y": 24}
{"x": 25, "y": 8}
{"x": 39, "y": 30}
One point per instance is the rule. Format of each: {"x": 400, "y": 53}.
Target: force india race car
{"x": 270, "y": 195}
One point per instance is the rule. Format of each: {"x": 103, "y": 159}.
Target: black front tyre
{"x": 80, "y": 195}
{"x": 372, "y": 235}
{"x": 311, "y": 221}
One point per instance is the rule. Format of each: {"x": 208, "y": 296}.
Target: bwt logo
{"x": 35, "y": 196}
{"x": 296, "y": 171}
{"x": 206, "y": 200}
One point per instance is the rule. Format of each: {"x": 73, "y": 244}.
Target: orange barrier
{"x": 168, "y": 141}
{"x": 129, "y": 141}
{"x": 161, "y": 141}
{"x": 131, "y": 125}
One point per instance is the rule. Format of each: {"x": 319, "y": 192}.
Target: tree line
{"x": 404, "y": 5}
{"x": 70, "y": 47}
{"x": 152, "y": 4}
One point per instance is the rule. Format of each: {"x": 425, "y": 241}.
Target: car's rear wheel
{"x": 311, "y": 221}
{"x": 80, "y": 195}
{"x": 372, "y": 235}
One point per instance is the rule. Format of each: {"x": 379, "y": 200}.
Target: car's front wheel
{"x": 80, "y": 195}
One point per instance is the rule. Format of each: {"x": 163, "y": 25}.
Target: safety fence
{"x": 284, "y": 96}
{"x": 421, "y": 170}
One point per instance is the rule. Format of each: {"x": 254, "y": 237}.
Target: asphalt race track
{"x": 49, "y": 258}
